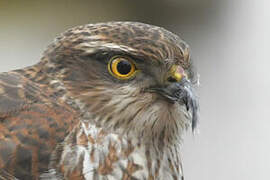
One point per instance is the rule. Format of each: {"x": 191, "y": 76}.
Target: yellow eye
{"x": 122, "y": 68}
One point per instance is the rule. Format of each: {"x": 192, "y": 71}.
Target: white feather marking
{"x": 90, "y": 47}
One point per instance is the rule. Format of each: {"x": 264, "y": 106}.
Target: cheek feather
{"x": 127, "y": 110}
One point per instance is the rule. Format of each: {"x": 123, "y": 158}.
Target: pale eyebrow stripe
{"x": 92, "y": 47}
{"x": 103, "y": 45}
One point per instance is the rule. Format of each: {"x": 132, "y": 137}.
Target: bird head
{"x": 131, "y": 78}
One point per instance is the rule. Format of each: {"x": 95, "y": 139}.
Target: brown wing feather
{"x": 6, "y": 176}
{"x": 31, "y": 125}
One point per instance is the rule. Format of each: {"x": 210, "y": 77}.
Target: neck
{"x": 101, "y": 154}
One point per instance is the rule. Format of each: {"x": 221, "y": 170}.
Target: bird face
{"x": 131, "y": 78}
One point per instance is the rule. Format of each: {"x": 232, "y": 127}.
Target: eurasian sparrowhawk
{"x": 106, "y": 101}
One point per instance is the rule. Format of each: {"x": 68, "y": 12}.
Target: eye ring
{"x": 122, "y": 68}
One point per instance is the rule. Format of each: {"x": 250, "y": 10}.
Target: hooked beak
{"x": 181, "y": 92}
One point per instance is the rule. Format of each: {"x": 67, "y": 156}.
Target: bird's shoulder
{"x": 32, "y": 123}
{"x": 15, "y": 93}
{"x": 18, "y": 94}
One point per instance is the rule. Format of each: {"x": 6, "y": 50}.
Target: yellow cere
{"x": 122, "y": 68}
{"x": 178, "y": 76}
{"x": 174, "y": 73}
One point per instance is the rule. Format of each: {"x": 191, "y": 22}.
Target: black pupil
{"x": 124, "y": 67}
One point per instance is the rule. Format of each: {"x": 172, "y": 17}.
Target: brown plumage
{"x": 71, "y": 116}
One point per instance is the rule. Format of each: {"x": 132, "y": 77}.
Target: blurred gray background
{"x": 230, "y": 47}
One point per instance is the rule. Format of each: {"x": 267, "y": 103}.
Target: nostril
{"x": 171, "y": 79}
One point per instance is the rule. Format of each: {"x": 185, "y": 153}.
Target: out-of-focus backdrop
{"x": 230, "y": 42}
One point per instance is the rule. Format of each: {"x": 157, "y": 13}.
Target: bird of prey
{"x": 106, "y": 101}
